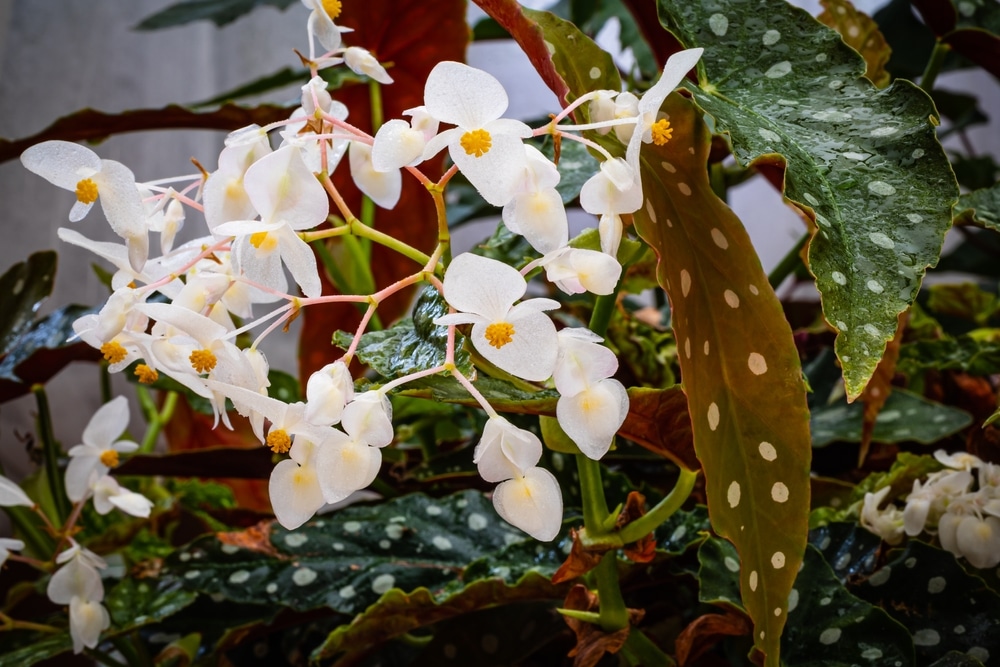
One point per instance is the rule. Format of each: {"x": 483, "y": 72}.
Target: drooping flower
{"x": 382, "y": 187}
{"x": 488, "y": 149}
{"x": 400, "y": 144}
{"x": 100, "y": 449}
{"x": 361, "y": 61}
{"x": 505, "y": 451}
{"x": 87, "y": 620}
{"x": 532, "y": 502}
{"x": 537, "y": 212}
{"x": 294, "y": 487}
{"x": 578, "y": 270}
{"x": 109, "y": 494}
{"x": 12, "y": 495}
{"x": 328, "y": 390}
{"x": 520, "y": 339}
{"x": 6, "y": 546}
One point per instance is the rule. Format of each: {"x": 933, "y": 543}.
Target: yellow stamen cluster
{"x": 278, "y": 440}
{"x": 86, "y": 191}
{"x": 203, "y": 361}
{"x": 333, "y": 8}
{"x": 263, "y": 241}
{"x": 476, "y": 142}
{"x": 662, "y": 132}
{"x": 113, "y": 351}
{"x": 109, "y": 457}
{"x": 499, "y": 334}
{"x": 146, "y": 374}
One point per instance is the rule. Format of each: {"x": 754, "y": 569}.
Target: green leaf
{"x": 962, "y": 353}
{"x": 865, "y": 162}
{"x": 830, "y": 627}
{"x": 51, "y": 333}
{"x": 944, "y": 607}
{"x": 850, "y": 550}
{"x": 23, "y": 288}
{"x": 413, "y": 344}
{"x": 683, "y": 530}
{"x": 576, "y": 166}
{"x": 718, "y": 573}
{"x": 220, "y": 12}
{"x": 905, "y": 417}
{"x": 981, "y": 206}
{"x": 975, "y": 173}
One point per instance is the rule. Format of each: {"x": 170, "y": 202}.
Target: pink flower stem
{"x": 465, "y": 382}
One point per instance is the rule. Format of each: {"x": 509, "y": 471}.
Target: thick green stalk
{"x": 929, "y": 76}
{"x": 614, "y": 615}
{"x": 662, "y": 511}
{"x": 157, "y": 420}
{"x": 640, "y": 651}
{"x": 51, "y": 453}
{"x": 788, "y": 264}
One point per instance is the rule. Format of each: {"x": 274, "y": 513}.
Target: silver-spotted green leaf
{"x": 962, "y": 353}
{"x": 904, "y": 417}
{"x": 865, "y": 162}
{"x": 944, "y": 607}
{"x": 683, "y": 530}
{"x": 849, "y": 549}
{"x": 982, "y": 206}
{"x": 830, "y": 627}
{"x": 23, "y": 288}
{"x": 413, "y": 344}
{"x": 719, "y": 573}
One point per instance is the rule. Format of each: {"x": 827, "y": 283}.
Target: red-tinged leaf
{"x": 706, "y": 631}
{"x": 413, "y": 36}
{"x": 658, "y": 420}
{"x": 739, "y": 368}
{"x": 879, "y": 388}
{"x": 93, "y": 126}
{"x": 979, "y": 46}
{"x": 662, "y": 43}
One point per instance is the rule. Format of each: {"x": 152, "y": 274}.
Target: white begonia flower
{"x": 582, "y": 361}
{"x": 321, "y": 24}
{"x": 537, "y": 212}
{"x": 519, "y": 339}
{"x": 328, "y": 390}
{"x": 531, "y": 502}
{"x": 224, "y": 197}
{"x": 345, "y": 464}
{"x": 12, "y": 495}
{"x": 382, "y": 187}
{"x": 81, "y": 171}
{"x": 287, "y": 419}
{"x": 289, "y": 199}
{"x": 78, "y": 576}
{"x": 604, "y": 106}
{"x": 888, "y": 523}
{"x": 117, "y": 254}
{"x": 167, "y": 218}
{"x": 400, "y": 144}
{"x": 978, "y": 540}
{"x": 361, "y": 61}
{"x": 615, "y": 188}
{"x": 488, "y": 149}
{"x": 315, "y": 99}
{"x": 294, "y": 487}
{"x": 918, "y": 506}
{"x": 87, "y": 620}
{"x": 592, "y": 416}
{"x": 369, "y": 418}
{"x": 100, "y": 450}
{"x": 648, "y": 129}
{"x": 7, "y": 545}
{"x": 109, "y": 494}
{"x": 958, "y": 460}
{"x": 505, "y": 451}
{"x": 578, "y": 270}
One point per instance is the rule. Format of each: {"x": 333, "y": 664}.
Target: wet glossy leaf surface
{"x": 982, "y": 206}
{"x": 23, "y": 288}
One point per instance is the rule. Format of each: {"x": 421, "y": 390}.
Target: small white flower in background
{"x": 578, "y": 270}
{"x": 12, "y": 495}
{"x": 613, "y": 105}
{"x": 382, "y": 187}
{"x": 78, "y": 584}
{"x": 321, "y": 26}
{"x": 7, "y": 545}
{"x": 361, "y": 61}
{"x": 532, "y": 502}
{"x": 488, "y": 149}
{"x": 519, "y": 339}
{"x": 648, "y": 129}
{"x": 958, "y": 460}
{"x": 100, "y": 449}
{"x": 888, "y": 523}
{"x": 167, "y": 218}
{"x": 315, "y": 99}
{"x": 109, "y": 494}
{"x": 328, "y": 390}
{"x": 294, "y": 487}
{"x": 537, "y": 212}
{"x": 224, "y": 197}
{"x": 400, "y": 144}
{"x": 81, "y": 171}
{"x": 615, "y": 188}
{"x": 505, "y": 451}
{"x": 87, "y": 620}
{"x": 349, "y": 463}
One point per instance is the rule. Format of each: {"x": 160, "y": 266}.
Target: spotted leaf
{"x": 861, "y": 33}
{"x": 863, "y": 163}
{"x": 981, "y": 206}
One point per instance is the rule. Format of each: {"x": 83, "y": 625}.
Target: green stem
{"x": 157, "y": 422}
{"x": 614, "y": 615}
{"x": 717, "y": 178}
{"x": 788, "y": 264}
{"x": 595, "y": 505}
{"x": 51, "y": 452}
{"x": 105, "y": 382}
{"x": 662, "y": 511}
{"x": 929, "y": 76}
{"x": 639, "y": 650}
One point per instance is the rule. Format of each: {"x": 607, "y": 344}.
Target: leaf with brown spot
{"x": 579, "y": 561}
{"x": 879, "y": 388}
{"x": 861, "y": 33}
{"x": 255, "y": 538}
{"x": 412, "y": 35}
{"x": 704, "y": 632}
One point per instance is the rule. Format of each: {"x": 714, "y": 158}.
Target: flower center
{"x": 86, "y": 191}
{"x": 202, "y": 361}
{"x": 662, "y": 132}
{"x": 109, "y": 457}
{"x": 278, "y": 440}
{"x": 499, "y": 334}
{"x": 113, "y": 352}
{"x": 263, "y": 241}
{"x": 477, "y": 142}
{"x": 333, "y": 8}
{"x": 146, "y": 374}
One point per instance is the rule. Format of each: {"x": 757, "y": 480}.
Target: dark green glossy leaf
{"x": 962, "y": 353}
{"x": 413, "y": 344}
{"x": 683, "y": 530}
{"x": 849, "y": 550}
{"x": 50, "y": 333}
{"x": 944, "y": 607}
{"x": 830, "y": 627}
{"x": 23, "y": 288}
{"x": 220, "y": 12}
{"x": 981, "y": 206}
{"x": 904, "y": 417}
{"x": 719, "y": 573}
{"x": 865, "y": 162}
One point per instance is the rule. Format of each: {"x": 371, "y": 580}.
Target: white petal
{"x": 343, "y": 468}
{"x": 608, "y": 191}
{"x": 593, "y": 416}
{"x": 369, "y": 418}
{"x": 464, "y": 96}
{"x": 327, "y": 392}
{"x": 87, "y": 619}
{"x": 123, "y": 208}
{"x": 382, "y": 187}
{"x": 134, "y": 504}
{"x": 397, "y": 145}
{"x": 300, "y": 260}
{"x": 505, "y": 451}
{"x": 11, "y": 495}
{"x": 531, "y": 353}
{"x": 474, "y": 284}
{"x": 673, "y": 73}
{"x": 540, "y": 217}
{"x": 497, "y": 173}
{"x": 109, "y": 422}
{"x": 281, "y": 187}
{"x": 76, "y": 578}
{"x": 295, "y": 493}
{"x": 582, "y": 270}
{"x": 979, "y": 540}
{"x": 533, "y": 503}
{"x": 363, "y": 62}
{"x": 582, "y": 361}
{"x": 61, "y": 163}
